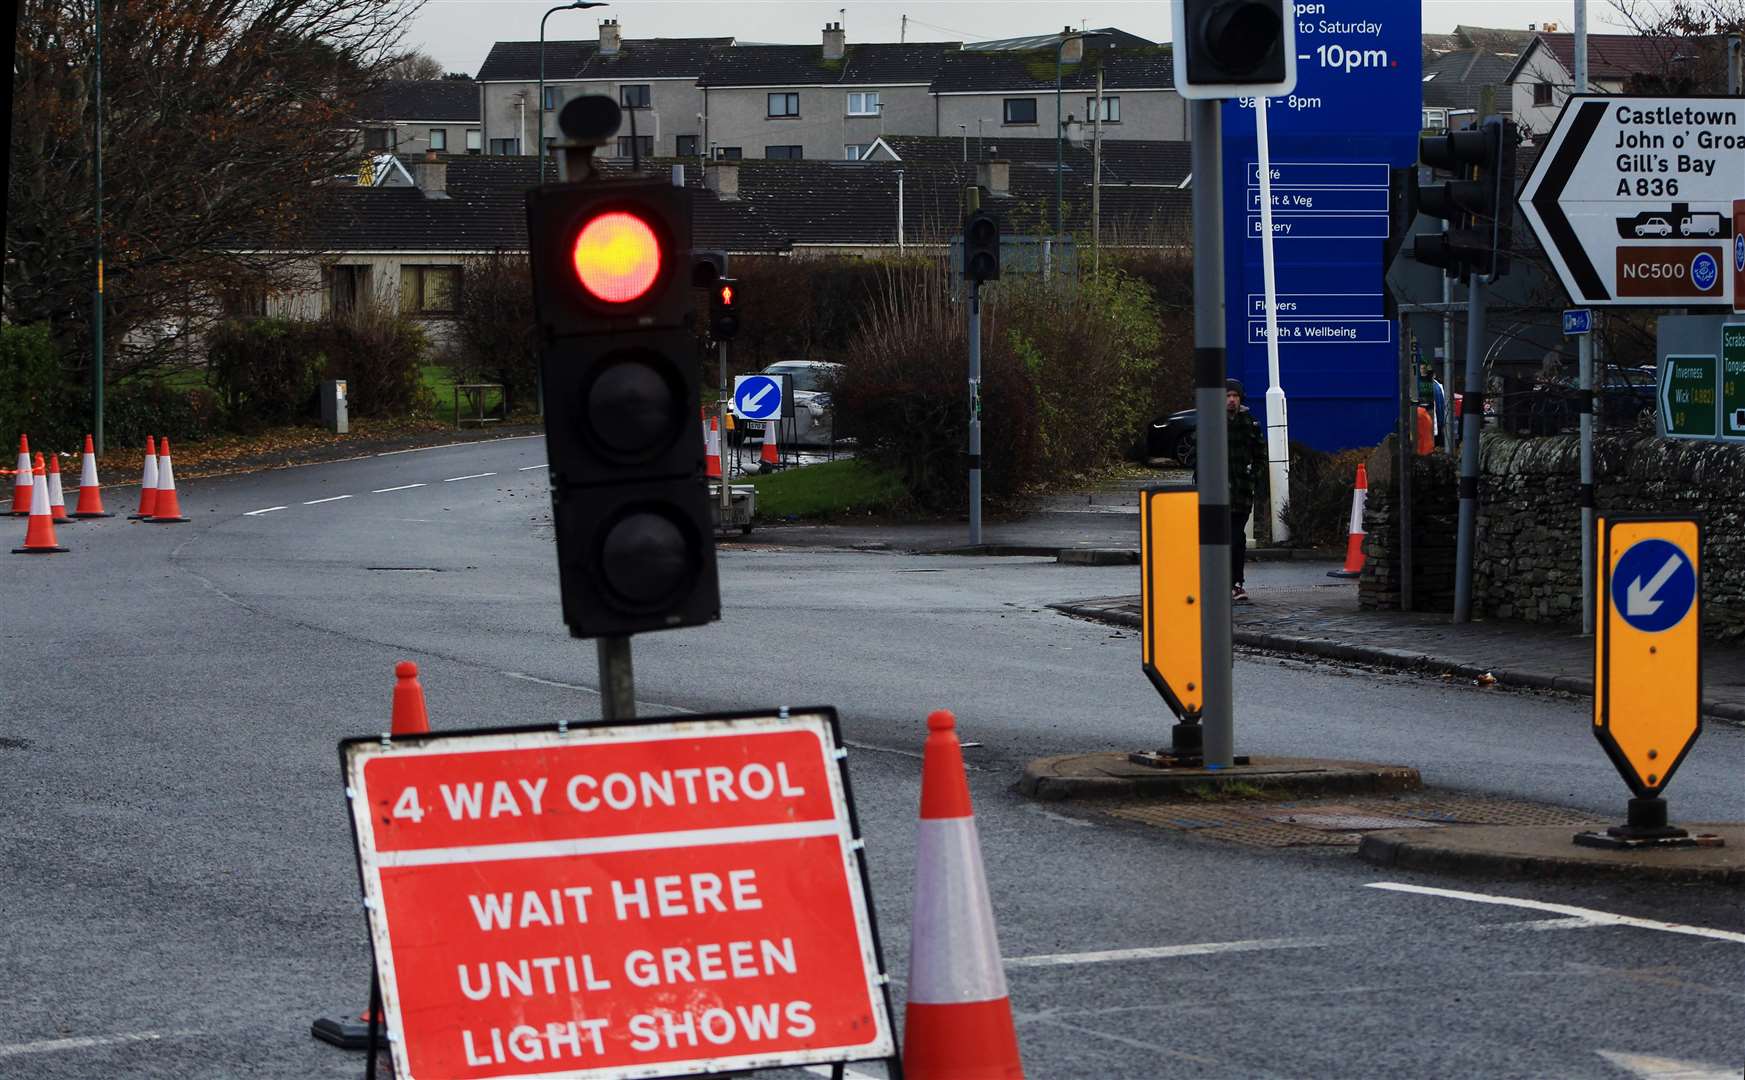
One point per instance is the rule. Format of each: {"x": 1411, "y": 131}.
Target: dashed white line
{"x": 330, "y": 498}
{"x": 258, "y": 513}
{"x": 469, "y": 476}
{"x": 51, "y": 1046}
{"x": 1160, "y": 952}
{"x": 445, "y": 446}
{"x": 1588, "y": 915}
{"x": 402, "y": 487}
{"x": 530, "y": 468}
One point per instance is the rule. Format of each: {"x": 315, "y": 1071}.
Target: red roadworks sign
{"x": 636, "y": 900}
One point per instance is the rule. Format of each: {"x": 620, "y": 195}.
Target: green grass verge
{"x": 438, "y": 383}
{"x": 828, "y": 489}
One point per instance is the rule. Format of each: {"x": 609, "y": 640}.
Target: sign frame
{"x": 1605, "y": 638}
{"x": 1187, "y": 700}
{"x": 365, "y": 748}
{"x": 1663, "y": 396}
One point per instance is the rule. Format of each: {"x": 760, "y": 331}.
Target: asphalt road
{"x": 181, "y": 896}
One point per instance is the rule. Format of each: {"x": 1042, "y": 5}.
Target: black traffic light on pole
{"x": 724, "y": 309}
{"x": 1235, "y": 48}
{"x": 611, "y": 287}
{"x": 1478, "y": 202}
{"x": 981, "y": 247}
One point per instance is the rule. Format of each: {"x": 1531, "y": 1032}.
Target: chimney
{"x": 610, "y": 40}
{"x": 835, "y": 41}
{"x": 722, "y": 177}
{"x": 994, "y": 176}
{"x": 1072, "y": 49}
{"x": 431, "y": 176}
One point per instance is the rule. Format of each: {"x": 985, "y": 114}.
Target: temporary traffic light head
{"x": 1235, "y": 48}
{"x": 981, "y": 247}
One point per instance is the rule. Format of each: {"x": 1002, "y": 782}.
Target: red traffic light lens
{"x": 726, "y": 294}
{"x": 618, "y": 257}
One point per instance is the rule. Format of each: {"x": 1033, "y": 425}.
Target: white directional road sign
{"x": 1633, "y": 199}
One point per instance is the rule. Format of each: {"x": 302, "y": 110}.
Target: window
{"x": 644, "y": 145}
{"x": 634, "y": 96}
{"x": 856, "y": 151}
{"x": 506, "y": 146}
{"x": 686, "y": 146}
{"x": 1111, "y": 109}
{"x": 348, "y": 285}
{"x": 1541, "y": 94}
{"x": 728, "y": 153}
{"x": 863, "y": 104}
{"x": 784, "y": 104}
{"x": 245, "y": 302}
{"x": 1435, "y": 119}
{"x": 784, "y": 153}
{"x": 429, "y": 290}
{"x": 473, "y": 137}
{"x": 378, "y": 138}
{"x": 1020, "y": 110}
{"x": 439, "y": 139}
{"x": 553, "y": 98}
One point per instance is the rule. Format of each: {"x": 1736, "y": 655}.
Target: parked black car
{"x": 1175, "y": 436}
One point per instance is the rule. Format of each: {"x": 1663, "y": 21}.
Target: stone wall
{"x": 1528, "y": 559}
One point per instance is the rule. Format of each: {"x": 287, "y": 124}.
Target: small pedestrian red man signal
{"x": 724, "y": 310}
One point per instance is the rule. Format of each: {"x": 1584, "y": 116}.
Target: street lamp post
{"x": 97, "y": 185}
{"x": 539, "y": 106}
{"x": 1059, "y": 131}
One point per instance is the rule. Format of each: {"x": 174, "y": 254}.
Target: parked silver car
{"x": 813, "y": 419}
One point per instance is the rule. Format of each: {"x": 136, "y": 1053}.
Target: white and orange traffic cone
{"x": 770, "y": 457}
{"x": 23, "y": 485}
{"x": 168, "y": 511}
{"x": 57, "y": 499}
{"x": 148, "y": 483}
{"x": 1354, "y": 540}
{"x": 39, "y": 533}
{"x": 90, "y": 492}
{"x": 959, "y": 1021}
{"x": 712, "y": 451}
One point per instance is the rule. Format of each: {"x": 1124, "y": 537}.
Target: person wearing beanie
{"x": 1247, "y": 449}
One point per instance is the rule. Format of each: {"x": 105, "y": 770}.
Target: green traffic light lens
{"x": 635, "y": 407}
{"x": 647, "y": 560}
{"x": 1242, "y": 34}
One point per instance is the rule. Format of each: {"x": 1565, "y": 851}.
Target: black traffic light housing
{"x": 1235, "y": 48}
{"x": 611, "y": 269}
{"x": 1478, "y": 202}
{"x": 724, "y": 309}
{"x": 981, "y": 247}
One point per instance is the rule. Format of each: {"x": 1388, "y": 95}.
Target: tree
{"x": 1688, "y": 42}
{"x": 414, "y": 67}
{"x": 221, "y": 121}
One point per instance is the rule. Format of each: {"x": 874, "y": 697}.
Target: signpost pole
{"x": 975, "y": 412}
{"x": 1278, "y": 432}
{"x": 728, "y": 453}
{"x": 1408, "y": 430}
{"x": 1471, "y": 426}
{"x": 1214, "y": 463}
{"x": 617, "y": 679}
{"x": 1586, "y": 353}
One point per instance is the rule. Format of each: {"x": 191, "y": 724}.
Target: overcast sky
{"x": 459, "y": 32}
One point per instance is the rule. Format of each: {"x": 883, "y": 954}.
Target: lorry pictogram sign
{"x": 1170, "y": 587}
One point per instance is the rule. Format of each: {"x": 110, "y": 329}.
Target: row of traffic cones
{"x": 769, "y": 458}
{"x": 37, "y": 494}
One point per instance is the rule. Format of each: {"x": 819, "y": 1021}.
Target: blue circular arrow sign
{"x": 758, "y": 397}
{"x": 1739, "y": 252}
{"x": 1654, "y": 586}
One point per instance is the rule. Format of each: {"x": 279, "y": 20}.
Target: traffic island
{"x": 1112, "y": 775}
{"x": 1551, "y": 852}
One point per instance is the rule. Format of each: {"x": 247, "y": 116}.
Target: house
{"x": 1125, "y": 164}
{"x": 1543, "y": 78}
{"x": 982, "y": 94}
{"x": 1466, "y": 84}
{"x": 412, "y": 116}
{"x": 655, "y": 80}
{"x": 1108, "y": 37}
{"x": 825, "y": 101}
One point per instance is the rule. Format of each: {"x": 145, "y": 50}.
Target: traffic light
{"x": 611, "y": 287}
{"x": 1235, "y": 48}
{"x": 724, "y": 309}
{"x": 981, "y": 247}
{"x": 1478, "y": 203}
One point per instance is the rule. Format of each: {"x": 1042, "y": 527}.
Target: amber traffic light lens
{"x": 617, "y": 257}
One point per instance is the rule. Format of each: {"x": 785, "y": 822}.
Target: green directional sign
{"x": 1689, "y": 405}
{"x": 1733, "y": 381}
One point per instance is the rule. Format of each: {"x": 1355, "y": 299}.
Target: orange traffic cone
{"x": 408, "y": 716}
{"x": 90, "y": 492}
{"x": 712, "y": 452}
{"x": 1354, "y": 539}
{"x": 148, "y": 483}
{"x": 23, "y": 485}
{"x": 168, "y": 511}
{"x": 770, "y": 457}
{"x": 39, "y": 534}
{"x": 959, "y": 1020}
{"x": 57, "y": 500}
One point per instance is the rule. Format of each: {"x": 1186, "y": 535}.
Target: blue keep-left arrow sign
{"x": 1654, "y": 586}
{"x": 757, "y": 397}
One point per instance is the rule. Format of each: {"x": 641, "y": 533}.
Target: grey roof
{"x": 652, "y": 58}
{"x": 1458, "y": 80}
{"x": 1033, "y": 71}
{"x": 1112, "y": 38}
{"x": 421, "y": 99}
{"x": 871, "y": 64}
{"x": 1124, "y": 161}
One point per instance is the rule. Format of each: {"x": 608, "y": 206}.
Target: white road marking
{"x": 524, "y": 677}
{"x": 402, "y": 487}
{"x": 331, "y": 498}
{"x": 1160, "y": 952}
{"x": 258, "y": 513}
{"x": 1062, "y": 818}
{"x": 444, "y": 446}
{"x": 530, "y": 468}
{"x": 469, "y": 476}
{"x": 1589, "y": 915}
{"x": 53, "y": 1046}
{"x": 1657, "y": 1068}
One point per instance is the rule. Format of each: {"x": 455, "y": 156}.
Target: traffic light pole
{"x": 617, "y": 679}
{"x": 1471, "y": 426}
{"x": 975, "y": 412}
{"x": 1213, "y": 472}
{"x": 729, "y": 453}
